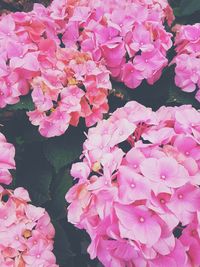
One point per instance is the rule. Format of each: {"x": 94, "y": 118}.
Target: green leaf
{"x": 39, "y": 186}
{"x": 177, "y": 96}
{"x": 19, "y": 140}
{"x": 188, "y": 7}
{"x": 61, "y": 152}
{"x": 31, "y": 134}
{"x": 58, "y": 204}
{"x": 177, "y": 12}
{"x": 62, "y": 246}
{"x": 25, "y": 103}
{"x": 37, "y": 181}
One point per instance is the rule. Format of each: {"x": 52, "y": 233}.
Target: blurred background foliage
{"x": 43, "y": 164}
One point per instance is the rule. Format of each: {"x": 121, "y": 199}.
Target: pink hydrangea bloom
{"x": 65, "y": 84}
{"x": 64, "y": 55}
{"x": 77, "y": 87}
{"x": 138, "y": 185}
{"x": 187, "y": 74}
{"x": 7, "y": 161}
{"x": 26, "y": 231}
{"x": 122, "y": 33}
{"x": 21, "y": 35}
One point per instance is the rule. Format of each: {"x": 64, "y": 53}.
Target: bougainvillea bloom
{"x": 138, "y": 186}
{"x": 7, "y": 162}
{"x": 25, "y": 230}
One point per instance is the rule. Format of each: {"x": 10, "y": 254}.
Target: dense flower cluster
{"x": 66, "y": 84}
{"x": 7, "y": 162}
{"x": 138, "y": 193}
{"x": 187, "y": 70}
{"x": 129, "y": 35}
{"x": 22, "y": 36}
{"x": 36, "y": 48}
{"x": 26, "y": 233}
{"x": 72, "y": 86}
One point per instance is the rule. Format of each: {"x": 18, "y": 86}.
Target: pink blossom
{"x": 142, "y": 219}
{"x": 20, "y": 223}
{"x": 7, "y": 161}
{"x": 149, "y": 62}
{"x": 187, "y": 60}
{"x": 117, "y": 34}
{"x": 166, "y": 171}
{"x": 131, "y": 76}
{"x": 132, "y": 201}
{"x": 132, "y": 186}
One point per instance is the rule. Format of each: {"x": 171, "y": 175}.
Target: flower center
{"x": 180, "y": 196}
{"x": 141, "y": 219}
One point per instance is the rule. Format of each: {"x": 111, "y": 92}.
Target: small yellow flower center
{"x": 96, "y": 166}
{"x": 72, "y": 81}
{"x": 27, "y": 233}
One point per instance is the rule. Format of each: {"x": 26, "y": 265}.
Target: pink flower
{"x": 149, "y": 62}
{"x": 185, "y": 202}
{"x": 131, "y": 76}
{"x": 20, "y": 224}
{"x": 7, "y": 161}
{"x": 132, "y": 186}
{"x": 187, "y": 60}
{"x": 140, "y": 39}
{"x": 79, "y": 89}
{"x": 142, "y": 219}
{"x": 137, "y": 185}
{"x": 165, "y": 171}
{"x": 113, "y": 54}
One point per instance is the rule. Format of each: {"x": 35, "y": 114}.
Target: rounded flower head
{"x": 7, "y": 161}
{"x": 65, "y": 83}
{"x": 129, "y": 36}
{"x": 77, "y": 87}
{"x": 26, "y": 231}
{"x": 187, "y": 74}
{"x": 135, "y": 188}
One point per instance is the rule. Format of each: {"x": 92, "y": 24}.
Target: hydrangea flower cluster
{"x": 137, "y": 193}
{"x": 22, "y": 36}
{"x": 7, "y": 161}
{"x": 129, "y": 35}
{"x": 72, "y": 86}
{"x": 25, "y": 230}
{"x": 66, "y": 84}
{"x": 187, "y": 70}
{"x": 26, "y": 233}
